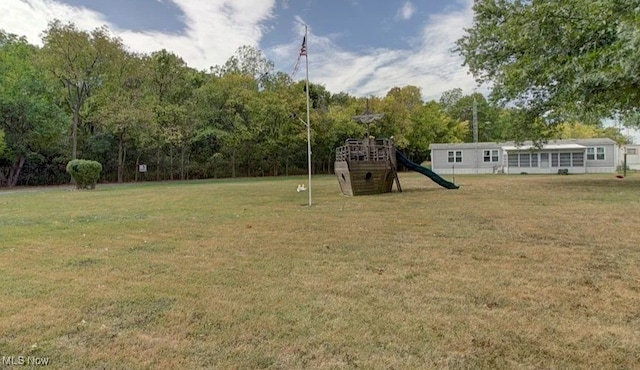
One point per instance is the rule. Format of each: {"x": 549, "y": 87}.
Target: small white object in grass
{"x": 301, "y": 188}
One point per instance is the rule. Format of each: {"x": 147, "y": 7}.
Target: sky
{"x": 361, "y": 47}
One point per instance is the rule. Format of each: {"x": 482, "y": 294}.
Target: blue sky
{"x": 363, "y": 47}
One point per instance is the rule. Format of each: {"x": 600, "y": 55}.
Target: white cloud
{"x": 207, "y": 40}
{"x": 406, "y": 11}
{"x": 30, "y": 18}
{"x": 430, "y": 64}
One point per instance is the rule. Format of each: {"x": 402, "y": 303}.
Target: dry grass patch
{"x": 506, "y": 272}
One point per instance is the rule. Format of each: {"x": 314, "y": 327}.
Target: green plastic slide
{"x": 425, "y": 171}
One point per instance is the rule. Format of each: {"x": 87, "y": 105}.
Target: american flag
{"x": 303, "y": 52}
{"x": 303, "y": 49}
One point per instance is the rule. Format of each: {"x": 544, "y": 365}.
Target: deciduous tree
{"x": 77, "y": 60}
{"x": 30, "y": 120}
{"x": 558, "y": 58}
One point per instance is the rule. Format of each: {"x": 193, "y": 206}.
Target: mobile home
{"x": 571, "y": 156}
{"x": 633, "y": 156}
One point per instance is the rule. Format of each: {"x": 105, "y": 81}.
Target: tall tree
{"x": 431, "y": 124}
{"x": 577, "y": 130}
{"x": 29, "y": 117}
{"x": 399, "y": 105}
{"x": 462, "y": 110}
{"x": 77, "y": 60}
{"x": 124, "y": 104}
{"x": 449, "y": 98}
{"x": 223, "y": 114}
{"x": 247, "y": 60}
{"x": 171, "y": 86}
{"x": 558, "y": 58}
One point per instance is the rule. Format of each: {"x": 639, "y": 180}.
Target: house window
{"x": 534, "y": 159}
{"x": 513, "y": 159}
{"x": 554, "y": 160}
{"x": 595, "y": 153}
{"x": 490, "y": 155}
{"x": 525, "y": 160}
{"x": 632, "y": 151}
{"x": 565, "y": 159}
{"x": 591, "y": 154}
{"x": 454, "y": 156}
{"x": 577, "y": 159}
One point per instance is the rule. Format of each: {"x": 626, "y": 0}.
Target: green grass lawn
{"x": 506, "y": 272}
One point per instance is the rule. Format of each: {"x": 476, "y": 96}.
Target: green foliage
{"x": 247, "y": 60}
{"x": 239, "y": 119}
{"x": 85, "y": 173}
{"x": 460, "y": 108}
{"x": 576, "y": 130}
{"x": 30, "y": 120}
{"x": 77, "y": 61}
{"x": 3, "y": 145}
{"x": 432, "y": 125}
{"x": 560, "y": 59}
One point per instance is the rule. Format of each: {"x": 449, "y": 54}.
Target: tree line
{"x": 86, "y": 95}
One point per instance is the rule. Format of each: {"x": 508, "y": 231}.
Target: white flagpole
{"x": 306, "y": 56}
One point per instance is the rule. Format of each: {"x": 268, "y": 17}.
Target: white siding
{"x": 633, "y": 157}
{"x": 473, "y": 158}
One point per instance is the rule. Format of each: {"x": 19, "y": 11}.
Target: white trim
{"x": 545, "y": 147}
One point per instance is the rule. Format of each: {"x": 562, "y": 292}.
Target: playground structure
{"x": 369, "y": 166}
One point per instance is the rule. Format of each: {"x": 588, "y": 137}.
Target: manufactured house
{"x": 633, "y": 156}
{"x": 554, "y": 156}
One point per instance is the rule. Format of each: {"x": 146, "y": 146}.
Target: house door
{"x": 544, "y": 160}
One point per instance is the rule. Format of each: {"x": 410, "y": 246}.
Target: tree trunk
{"x": 248, "y": 156}
{"x": 74, "y": 133}
{"x": 233, "y": 164}
{"x": 124, "y": 159}
{"x": 158, "y": 164}
{"x": 187, "y": 162}
{"x": 14, "y": 173}
{"x": 135, "y": 173}
{"x": 171, "y": 162}
{"x": 182, "y": 150}
{"x": 120, "y": 156}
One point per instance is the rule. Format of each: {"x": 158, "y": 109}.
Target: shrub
{"x": 84, "y": 173}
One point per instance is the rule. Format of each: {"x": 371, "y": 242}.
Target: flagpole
{"x": 306, "y": 56}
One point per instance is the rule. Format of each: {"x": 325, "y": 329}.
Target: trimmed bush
{"x": 84, "y": 173}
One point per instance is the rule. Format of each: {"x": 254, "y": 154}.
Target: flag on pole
{"x": 303, "y": 52}
{"x": 303, "y": 49}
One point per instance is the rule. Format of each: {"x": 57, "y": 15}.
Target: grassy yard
{"x": 523, "y": 272}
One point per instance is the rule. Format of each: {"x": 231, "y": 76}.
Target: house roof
{"x": 483, "y": 145}
{"x": 493, "y": 145}
{"x": 545, "y": 147}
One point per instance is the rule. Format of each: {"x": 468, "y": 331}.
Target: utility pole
{"x": 475, "y": 130}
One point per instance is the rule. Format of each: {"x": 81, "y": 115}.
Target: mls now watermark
{"x": 24, "y": 361}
